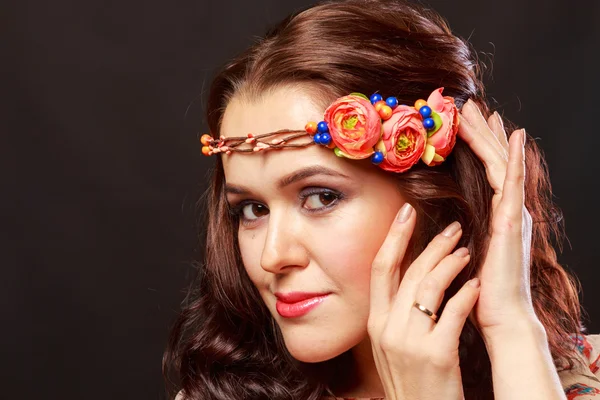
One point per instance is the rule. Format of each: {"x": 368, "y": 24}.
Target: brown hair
{"x": 225, "y": 344}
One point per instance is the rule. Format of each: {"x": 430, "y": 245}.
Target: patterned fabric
{"x": 582, "y": 382}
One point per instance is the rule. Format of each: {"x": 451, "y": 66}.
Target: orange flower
{"x": 403, "y": 140}
{"x": 354, "y": 126}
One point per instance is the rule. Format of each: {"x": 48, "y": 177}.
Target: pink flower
{"x": 441, "y": 142}
{"x": 403, "y": 141}
{"x": 354, "y": 126}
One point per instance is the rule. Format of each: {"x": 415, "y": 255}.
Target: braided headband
{"x": 394, "y": 136}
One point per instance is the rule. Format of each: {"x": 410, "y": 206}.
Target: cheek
{"x": 351, "y": 253}
{"x": 250, "y": 251}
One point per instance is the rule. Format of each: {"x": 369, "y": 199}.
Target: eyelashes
{"x": 313, "y": 200}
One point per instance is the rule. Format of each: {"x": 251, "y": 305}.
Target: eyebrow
{"x": 287, "y": 180}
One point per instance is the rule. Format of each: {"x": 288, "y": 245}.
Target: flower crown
{"x": 394, "y": 136}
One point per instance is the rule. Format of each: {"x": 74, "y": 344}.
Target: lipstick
{"x": 297, "y": 304}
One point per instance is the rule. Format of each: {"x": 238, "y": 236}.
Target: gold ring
{"x": 429, "y": 313}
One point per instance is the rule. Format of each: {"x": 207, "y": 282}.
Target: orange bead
{"x": 385, "y": 112}
{"x": 205, "y": 150}
{"x": 311, "y": 128}
{"x": 205, "y": 139}
{"x": 379, "y": 104}
{"x": 420, "y": 103}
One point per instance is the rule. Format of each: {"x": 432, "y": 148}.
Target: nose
{"x": 284, "y": 244}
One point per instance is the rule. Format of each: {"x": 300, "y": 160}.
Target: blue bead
{"x": 375, "y": 98}
{"x": 425, "y": 111}
{"x": 325, "y": 139}
{"x": 322, "y": 127}
{"x": 392, "y": 102}
{"x": 317, "y": 138}
{"x": 428, "y": 123}
{"x": 377, "y": 157}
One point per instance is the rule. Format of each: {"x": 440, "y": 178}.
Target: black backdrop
{"x": 104, "y": 100}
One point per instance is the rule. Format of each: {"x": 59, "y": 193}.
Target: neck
{"x": 360, "y": 378}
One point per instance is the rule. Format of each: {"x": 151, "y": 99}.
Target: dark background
{"x": 104, "y": 101}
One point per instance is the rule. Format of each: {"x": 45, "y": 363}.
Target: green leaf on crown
{"x": 438, "y": 123}
{"x": 359, "y": 95}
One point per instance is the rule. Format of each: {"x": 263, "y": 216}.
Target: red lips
{"x": 294, "y": 297}
{"x": 296, "y": 304}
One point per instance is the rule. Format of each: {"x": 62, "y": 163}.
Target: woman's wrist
{"x": 526, "y": 327}
{"x": 522, "y": 365}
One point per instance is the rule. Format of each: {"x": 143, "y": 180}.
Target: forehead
{"x": 281, "y": 108}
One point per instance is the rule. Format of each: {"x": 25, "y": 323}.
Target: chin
{"x": 314, "y": 354}
{"x": 318, "y": 346}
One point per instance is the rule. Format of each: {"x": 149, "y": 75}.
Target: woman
{"x": 375, "y": 246}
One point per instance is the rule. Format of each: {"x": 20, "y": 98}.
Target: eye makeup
{"x": 244, "y": 210}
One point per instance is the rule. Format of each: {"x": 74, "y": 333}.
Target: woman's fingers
{"x": 385, "y": 278}
{"x": 513, "y": 192}
{"x": 490, "y": 145}
{"x": 435, "y": 251}
{"x": 474, "y": 130}
{"x": 511, "y": 235}
{"x": 385, "y": 270}
{"x": 497, "y": 126}
{"x": 455, "y": 314}
{"x": 430, "y": 292}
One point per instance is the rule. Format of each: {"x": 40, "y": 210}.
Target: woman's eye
{"x": 320, "y": 200}
{"x": 253, "y": 211}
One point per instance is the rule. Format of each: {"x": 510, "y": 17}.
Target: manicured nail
{"x": 404, "y": 213}
{"x": 462, "y": 252}
{"x": 451, "y": 229}
{"x": 524, "y": 136}
{"x": 474, "y": 282}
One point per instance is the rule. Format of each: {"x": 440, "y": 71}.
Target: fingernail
{"x": 474, "y": 282}
{"x": 404, "y": 213}
{"x": 524, "y": 136}
{"x": 451, "y": 229}
{"x": 462, "y": 252}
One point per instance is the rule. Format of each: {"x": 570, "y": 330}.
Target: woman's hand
{"x": 416, "y": 357}
{"x": 505, "y": 300}
{"x": 522, "y": 365}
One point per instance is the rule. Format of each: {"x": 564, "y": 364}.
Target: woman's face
{"x": 309, "y": 222}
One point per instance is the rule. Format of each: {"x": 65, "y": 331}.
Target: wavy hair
{"x": 225, "y": 344}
